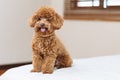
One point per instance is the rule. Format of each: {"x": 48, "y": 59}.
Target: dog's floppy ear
{"x": 32, "y": 20}
{"x": 58, "y": 21}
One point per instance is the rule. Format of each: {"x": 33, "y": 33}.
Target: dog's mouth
{"x": 42, "y": 29}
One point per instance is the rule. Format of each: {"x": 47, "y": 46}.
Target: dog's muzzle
{"x": 42, "y": 27}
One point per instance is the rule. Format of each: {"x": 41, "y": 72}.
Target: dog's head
{"x": 45, "y": 20}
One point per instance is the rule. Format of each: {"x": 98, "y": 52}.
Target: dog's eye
{"x": 39, "y": 19}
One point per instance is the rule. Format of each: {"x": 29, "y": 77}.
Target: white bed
{"x": 98, "y": 68}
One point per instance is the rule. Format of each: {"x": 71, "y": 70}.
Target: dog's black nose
{"x": 42, "y": 24}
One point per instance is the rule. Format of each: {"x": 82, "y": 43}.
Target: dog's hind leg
{"x": 63, "y": 61}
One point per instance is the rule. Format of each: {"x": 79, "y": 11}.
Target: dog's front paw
{"x": 33, "y": 70}
{"x": 47, "y": 72}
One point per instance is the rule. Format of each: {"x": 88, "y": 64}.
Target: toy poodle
{"x": 48, "y": 51}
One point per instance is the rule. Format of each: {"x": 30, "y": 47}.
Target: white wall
{"x": 15, "y": 33}
{"x": 88, "y": 38}
{"x": 81, "y": 38}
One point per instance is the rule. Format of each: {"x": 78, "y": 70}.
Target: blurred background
{"x": 82, "y": 38}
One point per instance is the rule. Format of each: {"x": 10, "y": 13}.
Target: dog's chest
{"x": 44, "y": 44}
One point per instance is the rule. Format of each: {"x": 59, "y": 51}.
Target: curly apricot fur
{"x": 48, "y": 51}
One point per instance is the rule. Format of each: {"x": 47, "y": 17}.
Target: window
{"x": 92, "y": 9}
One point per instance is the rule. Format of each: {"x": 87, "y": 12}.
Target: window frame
{"x": 71, "y": 11}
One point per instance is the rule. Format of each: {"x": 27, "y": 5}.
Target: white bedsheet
{"x": 99, "y": 68}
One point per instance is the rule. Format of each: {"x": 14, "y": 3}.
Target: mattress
{"x": 97, "y": 68}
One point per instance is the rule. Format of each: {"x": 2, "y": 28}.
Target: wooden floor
{"x": 2, "y": 71}
{"x": 6, "y": 67}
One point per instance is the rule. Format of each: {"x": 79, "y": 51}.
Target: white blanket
{"x": 99, "y": 68}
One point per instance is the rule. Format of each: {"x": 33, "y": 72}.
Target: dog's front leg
{"x": 36, "y": 61}
{"x": 48, "y": 64}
